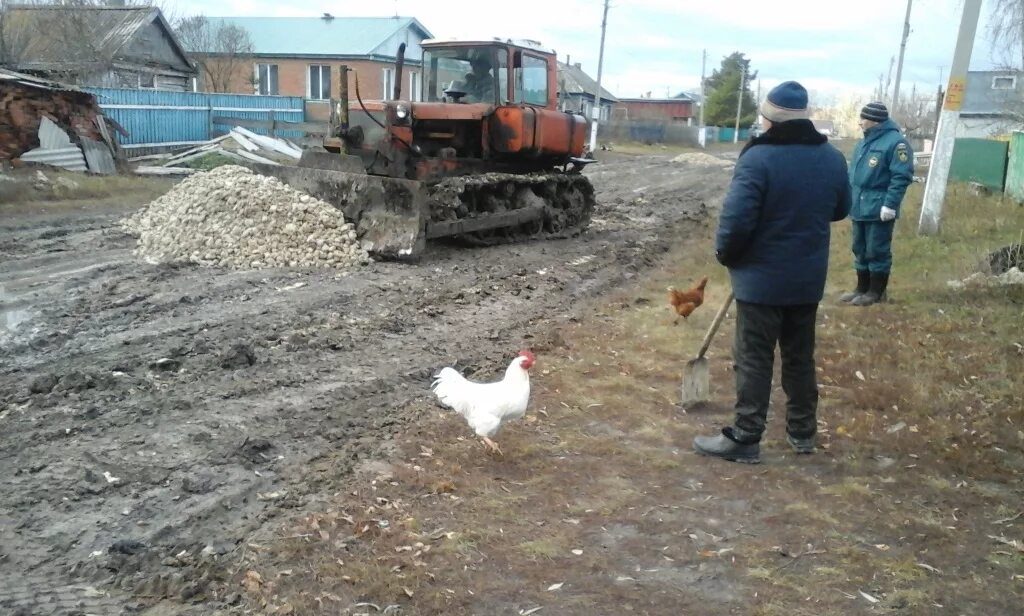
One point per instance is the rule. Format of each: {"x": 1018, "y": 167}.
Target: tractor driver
{"x": 480, "y": 82}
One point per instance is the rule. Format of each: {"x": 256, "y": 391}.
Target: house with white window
{"x": 577, "y": 92}
{"x": 993, "y": 104}
{"x": 302, "y": 56}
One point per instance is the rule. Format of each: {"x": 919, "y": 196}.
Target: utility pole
{"x": 739, "y": 102}
{"x": 596, "y": 112}
{"x": 702, "y": 135}
{"x": 899, "y": 67}
{"x": 938, "y": 171}
{"x": 888, "y": 79}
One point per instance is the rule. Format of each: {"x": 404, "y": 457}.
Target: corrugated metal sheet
{"x": 68, "y": 158}
{"x": 153, "y": 117}
{"x": 1015, "y": 168}
{"x": 979, "y": 160}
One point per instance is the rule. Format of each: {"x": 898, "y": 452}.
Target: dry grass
{"x": 598, "y": 490}
{"x": 69, "y": 189}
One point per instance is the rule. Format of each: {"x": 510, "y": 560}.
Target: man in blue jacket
{"x": 789, "y": 186}
{"x": 883, "y": 167}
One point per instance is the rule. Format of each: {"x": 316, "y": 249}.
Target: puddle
{"x": 11, "y": 318}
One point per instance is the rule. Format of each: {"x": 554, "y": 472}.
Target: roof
{"x": 980, "y": 98}
{"x": 320, "y": 36}
{"x": 32, "y": 81}
{"x": 577, "y": 82}
{"x": 524, "y": 43}
{"x": 113, "y": 29}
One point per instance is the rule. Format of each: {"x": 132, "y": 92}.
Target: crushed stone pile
{"x": 700, "y": 159}
{"x": 232, "y": 217}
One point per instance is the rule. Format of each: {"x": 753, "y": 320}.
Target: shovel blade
{"x": 696, "y": 381}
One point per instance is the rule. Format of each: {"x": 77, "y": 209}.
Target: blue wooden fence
{"x": 160, "y": 119}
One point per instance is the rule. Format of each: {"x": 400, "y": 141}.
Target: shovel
{"x": 696, "y": 376}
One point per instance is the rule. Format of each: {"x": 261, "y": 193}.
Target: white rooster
{"x": 486, "y": 406}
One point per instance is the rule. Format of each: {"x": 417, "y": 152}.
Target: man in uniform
{"x": 881, "y": 169}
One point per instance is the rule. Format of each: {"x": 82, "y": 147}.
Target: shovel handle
{"x": 714, "y": 325}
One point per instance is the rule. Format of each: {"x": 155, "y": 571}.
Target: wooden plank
{"x": 270, "y": 143}
{"x": 230, "y": 154}
{"x": 242, "y": 141}
{"x": 279, "y": 125}
{"x": 164, "y": 171}
{"x": 258, "y": 159}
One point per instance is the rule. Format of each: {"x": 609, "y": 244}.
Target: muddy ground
{"x": 154, "y": 417}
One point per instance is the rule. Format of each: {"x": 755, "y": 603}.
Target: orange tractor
{"x": 486, "y": 158}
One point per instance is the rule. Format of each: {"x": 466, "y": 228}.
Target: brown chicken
{"x": 685, "y": 302}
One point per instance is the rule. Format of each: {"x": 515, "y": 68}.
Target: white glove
{"x": 888, "y": 214}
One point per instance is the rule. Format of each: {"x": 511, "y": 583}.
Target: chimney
{"x": 568, "y": 60}
{"x": 327, "y": 17}
{"x": 579, "y": 65}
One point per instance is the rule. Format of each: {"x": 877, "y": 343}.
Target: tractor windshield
{"x": 465, "y": 74}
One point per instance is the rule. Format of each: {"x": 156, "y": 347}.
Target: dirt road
{"x": 153, "y": 417}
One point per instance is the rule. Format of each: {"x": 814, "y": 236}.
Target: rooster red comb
{"x": 529, "y": 358}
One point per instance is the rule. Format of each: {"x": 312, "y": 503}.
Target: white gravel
{"x": 232, "y": 217}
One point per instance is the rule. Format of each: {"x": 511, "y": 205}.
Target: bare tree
{"x": 220, "y": 49}
{"x": 61, "y": 32}
{"x": 916, "y": 114}
{"x": 14, "y": 39}
{"x": 1006, "y": 29}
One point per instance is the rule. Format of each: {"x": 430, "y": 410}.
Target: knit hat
{"x": 786, "y": 101}
{"x": 876, "y": 112}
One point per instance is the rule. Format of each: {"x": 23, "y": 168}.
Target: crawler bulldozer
{"x": 486, "y": 157}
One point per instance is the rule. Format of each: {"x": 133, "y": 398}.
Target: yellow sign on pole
{"x": 954, "y": 100}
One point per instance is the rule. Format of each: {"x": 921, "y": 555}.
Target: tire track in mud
{"x": 151, "y": 411}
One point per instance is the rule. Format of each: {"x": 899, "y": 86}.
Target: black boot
{"x": 876, "y": 291}
{"x": 726, "y": 446}
{"x": 863, "y": 283}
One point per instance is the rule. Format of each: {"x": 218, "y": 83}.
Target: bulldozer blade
{"x": 389, "y": 213}
{"x": 331, "y": 161}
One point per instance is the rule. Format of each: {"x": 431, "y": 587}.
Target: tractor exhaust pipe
{"x": 398, "y": 72}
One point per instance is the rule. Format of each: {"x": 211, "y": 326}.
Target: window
{"x": 266, "y": 79}
{"x": 502, "y": 76}
{"x": 319, "y": 82}
{"x": 414, "y": 86}
{"x": 1007, "y": 82}
{"x": 531, "y": 80}
{"x": 388, "y": 81}
{"x": 147, "y": 80}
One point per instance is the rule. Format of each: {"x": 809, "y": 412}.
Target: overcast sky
{"x": 655, "y": 45}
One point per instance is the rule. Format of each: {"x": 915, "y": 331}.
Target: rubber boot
{"x": 876, "y": 291}
{"x": 863, "y": 283}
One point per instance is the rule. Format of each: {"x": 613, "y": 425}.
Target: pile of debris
{"x": 46, "y": 122}
{"x": 271, "y": 151}
{"x": 1003, "y": 267}
{"x": 700, "y": 159}
{"x": 232, "y": 217}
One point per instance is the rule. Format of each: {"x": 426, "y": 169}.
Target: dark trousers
{"x": 872, "y": 246}
{"x": 758, "y": 329}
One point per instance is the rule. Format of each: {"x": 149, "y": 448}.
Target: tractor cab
{"x": 493, "y": 73}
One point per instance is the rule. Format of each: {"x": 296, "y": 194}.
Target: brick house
{"x": 98, "y": 46}
{"x": 678, "y": 108}
{"x": 301, "y": 56}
